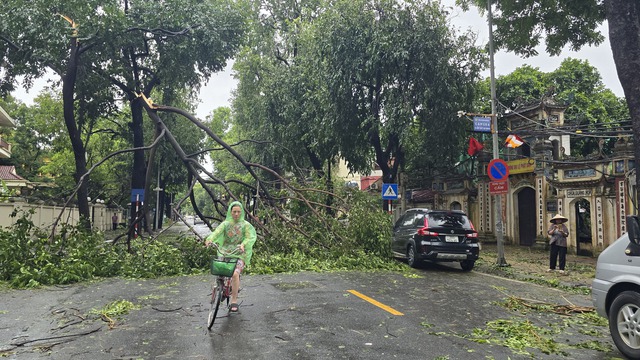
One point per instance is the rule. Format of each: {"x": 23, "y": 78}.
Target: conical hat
{"x": 559, "y": 217}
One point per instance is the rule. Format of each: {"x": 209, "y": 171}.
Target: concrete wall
{"x": 45, "y": 215}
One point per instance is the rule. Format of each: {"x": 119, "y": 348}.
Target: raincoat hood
{"x": 229, "y": 217}
{"x": 230, "y": 234}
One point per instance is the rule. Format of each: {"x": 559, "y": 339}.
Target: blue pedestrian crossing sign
{"x": 389, "y": 191}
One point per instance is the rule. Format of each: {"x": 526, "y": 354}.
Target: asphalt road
{"x": 287, "y": 316}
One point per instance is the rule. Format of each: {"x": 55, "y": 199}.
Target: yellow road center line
{"x": 376, "y": 303}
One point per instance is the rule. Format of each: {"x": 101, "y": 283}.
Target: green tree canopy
{"x": 521, "y": 25}
{"x": 388, "y": 68}
{"x": 278, "y": 99}
{"x": 592, "y": 112}
{"x": 352, "y": 79}
{"x": 98, "y": 48}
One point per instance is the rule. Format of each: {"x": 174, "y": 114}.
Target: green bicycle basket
{"x": 223, "y": 267}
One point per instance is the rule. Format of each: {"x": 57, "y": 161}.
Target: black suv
{"x": 435, "y": 235}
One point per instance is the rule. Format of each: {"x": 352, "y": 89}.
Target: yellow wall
{"x": 45, "y": 215}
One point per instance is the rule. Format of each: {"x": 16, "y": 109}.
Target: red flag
{"x": 474, "y": 147}
{"x": 513, "y": 141}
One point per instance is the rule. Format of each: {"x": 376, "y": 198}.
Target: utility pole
{"x": 501, "y": 261}
{"x": 158, "y": 212}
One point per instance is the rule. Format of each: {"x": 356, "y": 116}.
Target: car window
{"x": 408, "y": 219}
{"x": 418, "y": 221}
{"x": 399, "y": 221}
{"x": 449, "y": 220}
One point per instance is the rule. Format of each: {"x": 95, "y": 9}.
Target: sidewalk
{"x": 531, "y": 264}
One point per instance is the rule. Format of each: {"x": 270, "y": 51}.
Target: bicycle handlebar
{"x": 235, "y": 251}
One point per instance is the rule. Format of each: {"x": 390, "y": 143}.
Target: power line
{"x": 569, "y": 130}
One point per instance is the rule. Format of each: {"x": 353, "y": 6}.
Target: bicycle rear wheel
{"x": 216, "y": 298}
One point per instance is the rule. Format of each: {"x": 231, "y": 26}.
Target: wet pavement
{"x": 293, "y": 316}
{"x": 288, "y": 316}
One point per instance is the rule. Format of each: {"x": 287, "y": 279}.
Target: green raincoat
{"x": 230, "y": 234}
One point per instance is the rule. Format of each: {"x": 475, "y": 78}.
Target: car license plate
{"x": 451, "y": 238}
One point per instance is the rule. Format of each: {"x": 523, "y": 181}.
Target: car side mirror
{"x": 633, "y": 229}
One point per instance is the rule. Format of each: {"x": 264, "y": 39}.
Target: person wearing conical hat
{"x": 558, "y": 233}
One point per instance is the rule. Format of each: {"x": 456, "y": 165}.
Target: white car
{"x": 615, "y": 291}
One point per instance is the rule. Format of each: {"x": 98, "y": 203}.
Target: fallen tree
{"x": 291, "y": 214}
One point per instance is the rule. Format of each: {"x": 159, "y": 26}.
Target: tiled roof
{"x": 426, "y": 195}
{"x": 9, "y": 173}
{"x": 367, "y": 181}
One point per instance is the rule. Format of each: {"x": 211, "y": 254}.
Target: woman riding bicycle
{"x": 233, "y": 233}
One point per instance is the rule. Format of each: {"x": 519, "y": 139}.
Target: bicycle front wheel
{"x": 216, "y": 298}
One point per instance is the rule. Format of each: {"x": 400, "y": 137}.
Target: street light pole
{"x": 501, "y": 261}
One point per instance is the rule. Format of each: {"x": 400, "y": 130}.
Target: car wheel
{"x": 411, "y": 256}
{"x": 624, "y": 323}
{"x": 467, "y": 265}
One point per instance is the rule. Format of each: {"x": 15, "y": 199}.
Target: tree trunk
{"x": 316, "y": 163}
{"x": 139, "y": 167}
{"x": 68, "y": 100}
{"x": 329, "y": 183}
{"x": 160, "y": 211}
{"x": 166, "y": 200}
{"x": 148, "y": 186}
{"x": 624, "y": 35}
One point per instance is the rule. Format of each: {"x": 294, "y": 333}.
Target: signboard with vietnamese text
{"x": 521, "y": 166}
{"x": 482, "y": 124}
{"x": 579, "y": 173}
{"x": 498, "y": 187}
{"x": 573, "y": 193}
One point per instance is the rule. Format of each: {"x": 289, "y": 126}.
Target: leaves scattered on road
{"x": 114, "y": 310}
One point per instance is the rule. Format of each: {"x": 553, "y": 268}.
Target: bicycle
{"x": 223, "y": 268}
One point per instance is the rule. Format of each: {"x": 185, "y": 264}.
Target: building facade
{"x": 595, "y": 192}
{"x": 43, "y": 215}
{"x": 10, "y": 180}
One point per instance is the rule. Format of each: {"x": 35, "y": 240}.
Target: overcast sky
{"x": 217, "y": 92}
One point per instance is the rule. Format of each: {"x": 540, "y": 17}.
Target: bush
{"x": 29, "y": 258}
{"x": 195, "y": 255}
{"x": 152, "y": 260}
{"x": 355, "y": 236}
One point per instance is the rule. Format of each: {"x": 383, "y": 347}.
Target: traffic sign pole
{"x": 389, "y": 192}
{"x": 501, "y": 261}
